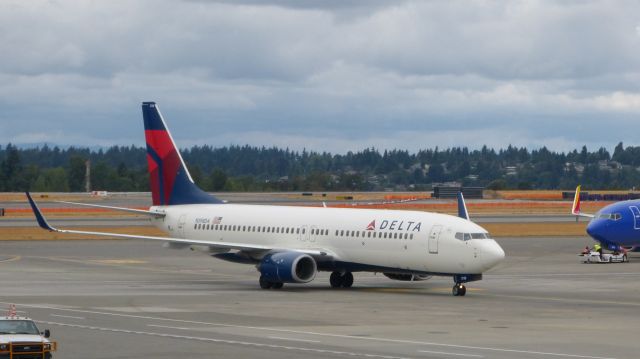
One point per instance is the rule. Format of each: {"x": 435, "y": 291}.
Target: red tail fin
{"x": 170, "y": 180}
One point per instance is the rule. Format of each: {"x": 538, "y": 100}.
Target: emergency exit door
{"x": 434, "y": 236}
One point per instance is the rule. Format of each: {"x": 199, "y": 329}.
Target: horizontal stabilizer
{"x": 122, "y": 209}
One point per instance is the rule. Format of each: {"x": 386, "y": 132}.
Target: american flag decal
{"x": 217, "y": 220}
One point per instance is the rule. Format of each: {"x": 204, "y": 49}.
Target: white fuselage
{"x": 404, "y": 240}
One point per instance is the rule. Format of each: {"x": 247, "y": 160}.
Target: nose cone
{"x": 596, "y": 229}
{"x": 492, "y": 254}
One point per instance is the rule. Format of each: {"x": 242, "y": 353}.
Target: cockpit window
{"x": 612, "y": 216}
{"x": 467, "y": 236}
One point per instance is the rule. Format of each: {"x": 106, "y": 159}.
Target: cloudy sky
{"x": 334, "y": 76}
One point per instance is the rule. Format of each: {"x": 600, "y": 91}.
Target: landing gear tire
{"x": 459, "y": 290}
{"x": 264, "y": 283}
{"x": 277, "y": 285}
{"x": 347, "y": 280}
{"x": 338, "y": 280}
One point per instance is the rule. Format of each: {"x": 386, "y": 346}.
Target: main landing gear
{"x": 265, "y": 284}
{"x": 459, "y": 290}
{"x": 341, "y": 279}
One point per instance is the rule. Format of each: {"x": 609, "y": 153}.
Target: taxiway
{"x": 136, "y": 299}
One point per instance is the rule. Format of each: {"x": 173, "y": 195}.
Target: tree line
{"x": 248, "y": 168}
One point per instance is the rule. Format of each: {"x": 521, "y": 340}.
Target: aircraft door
{"x": 636, "y": 217}
{"x": 304, "y": 233}
{"x": 434, "y": 236}
{"x": 313, "y": 233}
{"x": 181, "y": 223}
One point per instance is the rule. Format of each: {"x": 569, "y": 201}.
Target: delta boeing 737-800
{"x": 290, "y": 244}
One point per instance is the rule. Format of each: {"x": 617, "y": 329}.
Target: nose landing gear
{"x": 459, "y": 290}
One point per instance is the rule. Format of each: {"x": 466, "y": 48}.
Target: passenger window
{"x": 411, "y": 236}
{"x": 297, "y": 230}
{"x": 385, "y": 234}
{"x": 369, "y": 235}
{"x": 303, "y": 230}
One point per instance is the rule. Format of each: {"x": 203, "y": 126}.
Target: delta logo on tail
{"x": 170, "y": 181}
{"x": 162, "y": 156}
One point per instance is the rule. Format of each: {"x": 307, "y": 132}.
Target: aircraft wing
{"x": 247, "y": 247}
{"x": 575, "y": 209}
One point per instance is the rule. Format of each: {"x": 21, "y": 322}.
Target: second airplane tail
{"x": 171, "y": 183}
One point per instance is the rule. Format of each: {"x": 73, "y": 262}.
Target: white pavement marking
{"x": 67, "y": 316}
{"x": 167, "y": 327}
{"x": 225, "y": 341}
{"x": 343, "y": 336}
{"x": 296, "y": 340}
{"x": 456, "y": 354}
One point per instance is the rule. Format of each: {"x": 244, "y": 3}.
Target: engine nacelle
{"x": 288, "y": 267}
{"x": 406, "y": 277}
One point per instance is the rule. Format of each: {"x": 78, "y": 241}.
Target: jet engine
{"x": 288, "y": 267}
{"x": 406, "y": 277}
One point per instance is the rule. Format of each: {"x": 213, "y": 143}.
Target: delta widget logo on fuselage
{"x": 395, "y": 225}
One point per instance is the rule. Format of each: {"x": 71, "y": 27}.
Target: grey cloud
{"x": 334, "y": 74}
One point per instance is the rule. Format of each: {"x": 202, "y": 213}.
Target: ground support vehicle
{"x": 596, "y": 257}
{"x": 20, "y": 338}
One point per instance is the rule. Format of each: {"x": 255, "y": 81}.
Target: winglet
{"x": 575, "y": 210}
{"x": 42, "y": 222}
{"x": 462, "y": 207}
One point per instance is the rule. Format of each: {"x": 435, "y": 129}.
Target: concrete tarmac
{"x": 135, "y": 299}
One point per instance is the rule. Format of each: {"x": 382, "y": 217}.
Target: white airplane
{"x": 290, "y": 244}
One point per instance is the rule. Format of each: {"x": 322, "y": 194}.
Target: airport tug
{"x": 20, "y": 338}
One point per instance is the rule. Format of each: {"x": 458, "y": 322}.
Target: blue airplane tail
{"x": 171, "y": 183}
